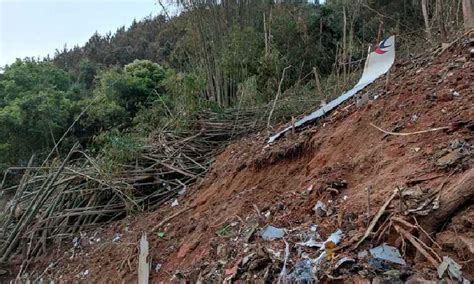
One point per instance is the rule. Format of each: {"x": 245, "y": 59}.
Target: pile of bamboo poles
{"x": 64, "y": 197}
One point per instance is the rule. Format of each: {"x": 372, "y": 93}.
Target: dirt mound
{"x": 346, "y": 161}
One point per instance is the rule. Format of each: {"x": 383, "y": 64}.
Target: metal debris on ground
{"x": 84, "y": 273}
{"x": 311, "y": 243}
{"x": 157, "y": 267}
{"x": 458, "y": 154}
{"x": 320, "y": 209}
{"x": 283, "y": 274}
{"x": 388, "y": 253}
{"x": 303, "y": 272}
{"x": 416, "y": 201}
{"x": 334, "y": 238}
{"x": 117, "y": 237}
{"x": 343, "y": 260}
{"x": 271, "y": 233}
{"x": 451, "y": 266}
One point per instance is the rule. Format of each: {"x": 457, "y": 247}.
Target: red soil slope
{"x": 209, "y": 234}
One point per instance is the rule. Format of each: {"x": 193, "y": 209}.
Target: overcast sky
{"x": 38, "y": 27}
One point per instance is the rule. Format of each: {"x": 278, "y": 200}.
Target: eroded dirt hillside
{"x": 345, "y": 162}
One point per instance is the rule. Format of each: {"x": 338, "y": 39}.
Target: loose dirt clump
{"x": 344, "y": 162}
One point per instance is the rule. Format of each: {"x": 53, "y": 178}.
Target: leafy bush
{"x": 116, "y": 147}
{"x": 133, "y": 86}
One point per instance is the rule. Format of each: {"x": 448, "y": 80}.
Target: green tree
{"x": 136, "y": 85}
{"x": 34, "y": 109}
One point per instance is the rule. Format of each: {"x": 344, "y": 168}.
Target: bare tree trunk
{"x": 319, "y": 89}
{"x": 277, "y": 95}
{"x": 440, "y": 19}
{"x": 265, "y": 34}
{"x": 344, "y": 47}
{"x": 320, "y": 31}
{"x": 424, "y": 9}
{"x": 467, "y": 12}
{"x": 379, "y": 33}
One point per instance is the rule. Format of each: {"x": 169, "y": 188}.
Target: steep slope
{"x": 344, "y": 161}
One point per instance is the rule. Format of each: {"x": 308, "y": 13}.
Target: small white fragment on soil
{"x": 271, "y": 233}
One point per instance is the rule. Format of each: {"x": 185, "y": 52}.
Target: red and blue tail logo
{"x": 381, "y": 47}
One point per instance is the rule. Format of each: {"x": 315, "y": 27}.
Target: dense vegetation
{"x": 160, "y": 71}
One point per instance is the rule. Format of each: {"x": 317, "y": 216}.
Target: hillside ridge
{"x": 350, "y": 163}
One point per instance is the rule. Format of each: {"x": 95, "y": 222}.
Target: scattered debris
{"x": 161, "y": 234}
{"x": 458, "y": 154}
{"x": 271, "y": 233}
{"x": 117, "y": 237}
{"x": 311, "y": 243}
{"x": 343, "y": 260}
{"x": 239, "y": 257}
{"x": 84, "y": 273}
{"x": 320, "y": 209}
{"x": 249, "y": 233}
{"x": 175, "y": 203}
{"x": 416, "y": 201}
{"x": 224, "y": 230}
{"x": 158, "y": 267}
{"x": 388, "y": 253}
{"x": 76, "y": 242}
{"x": 329, "y": 249}
{"x": 303, "y": 272}
{"x": 453, "y": 268}
{"x": 283, "y": 273}
{"x": 334, "y": 238}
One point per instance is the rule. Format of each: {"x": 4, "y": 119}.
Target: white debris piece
{"x": 271, "y": 233}
{"x": 334, "y": 237}
{"x": 320, "y": 209}
{"x": 388, "y": 253}
{"x": 117, "y": 237}
{"x": 157, "y": 267}
{"x": 453, "y": 268}
{"x": 377, "y": 63}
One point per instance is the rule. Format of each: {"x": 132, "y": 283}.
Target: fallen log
{"x": 451, "y": 201}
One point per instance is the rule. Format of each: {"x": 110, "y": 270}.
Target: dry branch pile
{"x": 59, "y": 200}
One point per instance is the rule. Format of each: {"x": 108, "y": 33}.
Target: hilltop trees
{"x": 215, "y": 54}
